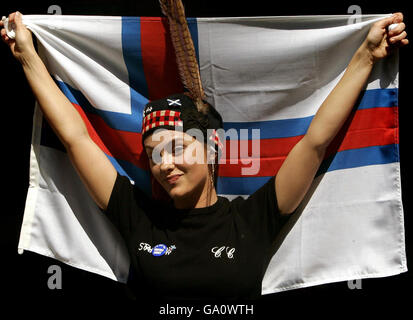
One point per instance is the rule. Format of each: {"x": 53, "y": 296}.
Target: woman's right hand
{"x": 21, "y": 46}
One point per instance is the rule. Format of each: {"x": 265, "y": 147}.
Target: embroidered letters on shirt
{"x": 217, "y": 251}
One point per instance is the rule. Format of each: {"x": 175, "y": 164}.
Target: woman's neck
{"x": 206, "y": 198}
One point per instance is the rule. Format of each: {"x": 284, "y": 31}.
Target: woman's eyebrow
{"x": 174, "y": 140}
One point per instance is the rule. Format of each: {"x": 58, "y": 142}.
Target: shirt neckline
{"x": 205, "y": 210}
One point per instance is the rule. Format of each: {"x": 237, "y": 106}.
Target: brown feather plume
{"x": 184, "y": 51}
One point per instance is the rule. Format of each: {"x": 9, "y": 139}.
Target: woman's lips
{"x": 173, "y": 179}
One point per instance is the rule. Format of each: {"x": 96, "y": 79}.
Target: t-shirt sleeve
{"x": 260, "y": 211}
{"x": 120, "y": 206}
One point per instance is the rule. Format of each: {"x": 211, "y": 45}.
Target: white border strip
{"x": 25, "y": 232}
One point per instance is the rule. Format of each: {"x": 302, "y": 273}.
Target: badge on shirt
{"x": 158, "y": 250}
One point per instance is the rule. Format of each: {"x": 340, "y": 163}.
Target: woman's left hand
{"x": 380, "y": 41}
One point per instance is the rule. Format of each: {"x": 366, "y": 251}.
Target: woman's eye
{"x": 151, "y": 160}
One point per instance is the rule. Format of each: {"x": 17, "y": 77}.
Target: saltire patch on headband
{"x": 179, "y": 111}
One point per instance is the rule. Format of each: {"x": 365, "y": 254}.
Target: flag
{"x": 267, "y": 76}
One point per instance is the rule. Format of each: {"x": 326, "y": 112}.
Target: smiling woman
{"x": 197, "y": 245}
{"x": 179, "y": 164}
{"x": 182, "y": 149}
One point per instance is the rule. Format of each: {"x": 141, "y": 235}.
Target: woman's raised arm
{"x": 92, "y": 165}
{"x": 299, "y": 168}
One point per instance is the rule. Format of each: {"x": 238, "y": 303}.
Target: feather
{"x": 184, "y": 51}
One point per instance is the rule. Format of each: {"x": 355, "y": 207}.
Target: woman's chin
{"x": 180, "y": 195}
{"x": 175, "y": 192}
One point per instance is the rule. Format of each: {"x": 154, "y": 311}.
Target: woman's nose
{"x": 167, "y": 162}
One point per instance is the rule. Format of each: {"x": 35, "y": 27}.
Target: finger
{"x": 384, "y": 23}
{"x": 11, "y": 17}
{"x": 398, "y": 17}
{"x": 397, "y": 30}
{"x": 4, "y": 35}
{"x": 403, "y": 42}
{"x": 394, "y": 18}
{"x": 18, "y": 19}
{"x": 5, "y": 38}
{"x": 398, "y": 37}
{"x": 399, "y": 44}
{"x": 11, "y": 24}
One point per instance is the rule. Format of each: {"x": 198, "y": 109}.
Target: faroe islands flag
{"x": 268, "y": 74}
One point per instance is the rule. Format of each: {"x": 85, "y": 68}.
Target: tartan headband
{"x": 179, "y": 111}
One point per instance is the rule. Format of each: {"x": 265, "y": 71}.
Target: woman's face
{"x": 179, "y": 163}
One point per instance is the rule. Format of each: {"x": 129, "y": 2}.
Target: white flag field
{"x": 263, "y": 74}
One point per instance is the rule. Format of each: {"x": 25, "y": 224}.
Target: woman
{"x": 201, "y": 245}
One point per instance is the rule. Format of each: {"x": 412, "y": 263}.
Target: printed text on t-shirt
{"x": 217, "y": 251}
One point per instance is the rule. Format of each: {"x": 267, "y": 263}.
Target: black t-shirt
{"x": 220, "y": 251}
